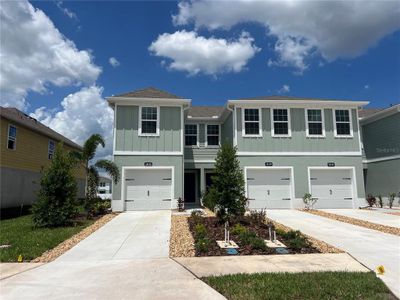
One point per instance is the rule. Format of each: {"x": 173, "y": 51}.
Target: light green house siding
{"x": 194, "y": 153}
{"x": 298, "y": 142}
{"x": 227, "y": 130}
{"x": 383, "y": 178}
{"x": 128, "y": 139}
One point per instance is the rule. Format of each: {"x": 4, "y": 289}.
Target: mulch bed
{"x": 362, "y": 223}
{"x": 215, "y": 231}
{"x": 63, "y": 247}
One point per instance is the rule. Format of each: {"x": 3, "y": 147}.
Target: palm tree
{"x": 91, "y": 171}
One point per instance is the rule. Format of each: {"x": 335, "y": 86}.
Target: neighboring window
{"x": 102, "y": 184}
{"x": 280, "y": 126}
{"x": 191, "y": 134}
{"x": 149, "y": 120}
{"x": 342, "y": 122}
{"x": 315, "y": 122}
{"x": 102, "y": 192}
{"x": 12, "y": 137}
{"x": 212, "y": 135}
{"x": 52, "y": 148}
{"x": 252, "y": 122}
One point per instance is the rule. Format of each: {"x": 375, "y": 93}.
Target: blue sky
{"x": 55, "y": 55}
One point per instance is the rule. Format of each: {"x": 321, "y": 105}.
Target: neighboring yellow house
{"x": 26, "y": 147}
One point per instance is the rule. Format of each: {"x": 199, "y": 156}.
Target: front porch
{"x": 196, "y": 182}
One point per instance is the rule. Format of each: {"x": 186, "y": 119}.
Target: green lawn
{"x": 321, "y": 285}
{"x": 31, "y": 242}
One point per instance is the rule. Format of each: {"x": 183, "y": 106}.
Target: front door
{"x": 190, "y": 187}
{"x": 209, "y": 180}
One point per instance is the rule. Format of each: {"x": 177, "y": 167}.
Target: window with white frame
{"x": 191, "y": 135}
{"x": 52, "y": 148}
{"x": 280, "y": 122}
{"x": 315, "y": 122}
{"x": 342, "y": 122}
{"x": 212, "y": 135}
{"x": 251, "y": 122}
{"x": 12, "y": 137}
{"x": 149, "y": 121}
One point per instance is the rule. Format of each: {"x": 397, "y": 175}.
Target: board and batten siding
{"x": 227, "y": 130}
{"x": 127, "y": 137}
{"x": 298, "y": 142}
{"x": 381, "y": 138}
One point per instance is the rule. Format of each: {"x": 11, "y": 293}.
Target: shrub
{"x": 210, "y": 199}
{"x": 391, "y": 199}
{"x": 180, "y": 204}
{"x": 101, "y": 206}
{"x": 202, "y": 245}
{"x": 309, "y": 201}
{"x": 380, "y": 201}
{"x": 247, "y": 236}
{"x": 200, "y": 231}
{"x": 258, "y": 244}
{"x": 196, "y": 216}
{"x": 371, "y": 200}
{"x": 238, "y": 229}
{"x": 258, "y": 217}
{"x": 56, "y": 204}
{"x": 294, "y": 239}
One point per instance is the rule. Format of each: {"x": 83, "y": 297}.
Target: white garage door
{"x": 269, "y": 188}
{"x": 333, "y": 188}
{"x": 148, "y": 189}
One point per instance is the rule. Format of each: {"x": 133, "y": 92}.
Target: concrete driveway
{"x": 368, "y": 215}
{"x": 125, "y": 259}
{"x": 370, "y": 247}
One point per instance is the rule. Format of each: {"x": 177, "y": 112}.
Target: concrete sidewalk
{"x": 11, "y": 269}
{"x": 370, "y": 247}
{"x": 368, "y": 215}
{"x": 224, "y": 265}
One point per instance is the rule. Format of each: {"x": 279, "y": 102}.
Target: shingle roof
{"x": 149, "y": 92}
{"x": 287, "y": 98}
{"x": 366, "y": 112}
{"x": 18, "y": 117}
{"x": 205, "y": 111}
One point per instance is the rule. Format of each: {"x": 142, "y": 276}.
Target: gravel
{"x": 61, "y": 248}
{"x": 362, "y": 223}
{"x": 181, "y": 240}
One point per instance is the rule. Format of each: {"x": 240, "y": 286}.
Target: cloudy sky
{"x": 59, "y": 60}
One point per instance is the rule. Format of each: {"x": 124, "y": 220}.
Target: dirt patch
{"x": 181, "y": 242}
{"x": 393, "y": 213}
{"x": 362, "y": 223}
{"x": 60, "y": 249}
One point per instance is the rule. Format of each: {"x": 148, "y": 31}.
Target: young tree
{"x": 227, "y": 193}
{"x": 56, "y": 204}
{"x": 92, "y": 176}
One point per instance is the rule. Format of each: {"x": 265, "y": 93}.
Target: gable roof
{"x": 18, "y": 117}
{"x": 149, "y": 92}
{"x": 205, "y": 111}
{"x": 383, "y": 113}
{"x": 274, "y": 97}
{"x": 366, "y": 112}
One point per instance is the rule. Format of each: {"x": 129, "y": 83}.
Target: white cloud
{"x": 113, "y": 62}
{"x": 366, "y": 86}
{"x": 196, "y": 54}
{"x": 69, "y": 13}
{"x": 35, "y": 55}
{"x": 334, "y": 29}
{"x": 83, "y": 114}
{"x": 284, "y": 89}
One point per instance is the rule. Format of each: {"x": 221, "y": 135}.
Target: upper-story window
{"x": 52, "y": 148}
{"x": 280, "y": 122}
{"x": 191, "y": 135}
{"x": 343, "y": 126}
{"x": 102, "y": 184}
{"x": 212, "y": 135}
{"x": 149, "y": 121}
{"x": 252, "y": 122}
{"x": 315, "y": 122}
{"x": 12, "y": 137}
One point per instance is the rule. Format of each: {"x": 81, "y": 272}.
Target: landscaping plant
{"x": 309, "y": 201}
{"x": 258, "y": 217}
{"x": 380, "y": 201}
{"x": 180, "y": 204}
{"x": 91, "y": 171}
{"x": 56, "y": 204}
{"x": 391, "y": 199}
{"x": 227, "y": 191}
{"x": 371, "y": 200}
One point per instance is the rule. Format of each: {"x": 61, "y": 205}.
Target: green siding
{"x": 383, "y": 178}
{"x": 227, "y": 130}
{"x": 128, "y": 139}
{"x": 298, "y": 142}
{"x": 169, "y": 161}
{"x": 300, "y": 165}
{"x": 382, "y": 137}
{"x": 201, "y": 153}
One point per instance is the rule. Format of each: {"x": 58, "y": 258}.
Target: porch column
{"x": 202, "y": 181}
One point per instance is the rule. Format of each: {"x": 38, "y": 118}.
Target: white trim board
{"x": 367, "y": 161}
{"x": 322, "y": 122}
{"x": 242, "y": 112}
{"x": 289, "y": 134}
{"x": 157, "y": 133}
{"x": 297, "y": 103}
{"x": 149, "y": 153}
{"x": 253, "y": 153}
{"x": 336, "y": 135}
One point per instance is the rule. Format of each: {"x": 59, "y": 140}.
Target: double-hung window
{"x": 191, "y": 135}
{"x": 343, "y": 126}
{"x": 149, "y": 121}
{"x": 212, "y": 135}
{"x": 252, "y": 122}
{"x": 52, "y": 148}
{"x": 280, "y": 122}
{"x": 315, "y": 122}
{"x": 12, "y": 137}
